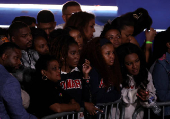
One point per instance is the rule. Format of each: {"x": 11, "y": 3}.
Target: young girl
{"x": 40, "y": 41}
{"x": 46, "y": 96}
{"x": 134, "y": 73}
{"x": 75, "y": 33}
{"x": 73, "y": 80}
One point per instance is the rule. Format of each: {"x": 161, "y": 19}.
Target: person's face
{"x": 12, "y": 60}
{"x": 114, "y": 36}
{"x": 70, "y": 10}
{"x": 77, "y": 37}
{"x": 23, "y": 38}
{"x": 88, "y": 31}
{"x": 41, "y": 46}
{"x": 47, "y": 27}
{"x": 73, "y": 57}
{"x": 108, "y": 54}
{"x": 53, "y": 71}
{"x": 126, "y": 33}
{"x": 132, "y": 64}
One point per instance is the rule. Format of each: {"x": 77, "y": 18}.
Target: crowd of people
{"x": 48, "y": 68}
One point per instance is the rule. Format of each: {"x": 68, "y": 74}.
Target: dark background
{"x": 159, "y": 11}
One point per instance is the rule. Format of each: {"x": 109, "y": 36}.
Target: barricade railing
{"x": 108, "y": 109}
{"x": 161, "y": 104}
{"x": 63, "y": 115}
{"x": 107, "y": 114}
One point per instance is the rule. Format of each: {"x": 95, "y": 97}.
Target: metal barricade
{"x": 161, "y": 104}
{"x": 108, "y": 109}
{"x": 63, "y": 115}
{"x": 107, "y": 114}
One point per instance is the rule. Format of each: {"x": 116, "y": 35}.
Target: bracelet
{"x": 148, "y": 42}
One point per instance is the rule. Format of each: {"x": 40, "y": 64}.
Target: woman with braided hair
{"x": 73, "y": 79}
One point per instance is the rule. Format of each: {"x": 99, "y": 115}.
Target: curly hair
{"x": 111, "y": 75}
{"x": 139, "y": 18}
{"x": 59, "y": 48}
{"x": 122, "y": 52}
{"x": 80, "y": 20}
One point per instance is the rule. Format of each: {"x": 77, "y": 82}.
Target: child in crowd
{"x": 40, "y": 41}
{"x": 75, "y": 33}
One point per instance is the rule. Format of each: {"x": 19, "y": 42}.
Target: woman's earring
{"x": 44, "y": 77}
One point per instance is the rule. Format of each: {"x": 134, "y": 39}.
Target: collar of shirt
{"x": 75, "y": 69}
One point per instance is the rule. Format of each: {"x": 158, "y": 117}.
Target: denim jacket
{"x": 161, "y": 79}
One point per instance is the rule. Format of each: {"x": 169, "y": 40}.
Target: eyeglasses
{"x": 110, "y": 37}
{"x": 71, "y": 13}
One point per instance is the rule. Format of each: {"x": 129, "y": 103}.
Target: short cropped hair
{"x": 14, "y": 27}
{"x": 45, "y": 16}
{"x": 69, "y": 4}
{"x": 26, "y": 19}
{"x": 6, "y": 46}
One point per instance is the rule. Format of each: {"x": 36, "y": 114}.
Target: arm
{"x": 161, "y": 82}
{"x": 57, "y": 107}
{"x": 12, "y": 97}
{"x": 134, "y": 41}
{"x": 150, "y": 35}
{"x": 150, "y": 89}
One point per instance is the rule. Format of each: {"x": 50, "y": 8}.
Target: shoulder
{"x": 60, "y": 26}
{"x": 98, "y": 30}
{"x": 6, "y": 77}
{"x": 98, "y": 27}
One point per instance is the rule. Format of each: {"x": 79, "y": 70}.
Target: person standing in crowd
{"x": 46, "y": 21}
{"x": 46, "y": 96}
{"x": 74, "y": 80}
{"x": 10, "y": 90}
{"x": 112, "y": 34}
{"x": 105, "y": 76}
{"x": 40, "y": 43}
{"x": 161, "y": 69}
{"x": 134, "y": 72}
{"x": 20, "y": 34}
{"x": 133, "y": 23}
{"x": 75, "y": 33}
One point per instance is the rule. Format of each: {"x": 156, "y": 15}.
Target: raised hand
{"x": 86, "y": 68}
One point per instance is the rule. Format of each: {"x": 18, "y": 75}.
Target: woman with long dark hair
{"x": 105, "y": 76}
{"x": 134, "y": 72}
